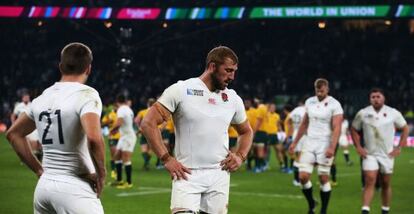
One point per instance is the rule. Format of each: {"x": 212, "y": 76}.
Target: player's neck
{"x": 206, "y": 78}
{"x": 73, "y": 78}
{"x": 378, "y": 108}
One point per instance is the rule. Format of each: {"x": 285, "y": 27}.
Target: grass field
{"x": 269, "y": 192}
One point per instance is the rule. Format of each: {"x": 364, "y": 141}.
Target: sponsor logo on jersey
{"x": 212, "y": 101}
{"x": 195, "y": 92}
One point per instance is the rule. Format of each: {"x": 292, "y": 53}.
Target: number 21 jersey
{"x": 57, "y": 112}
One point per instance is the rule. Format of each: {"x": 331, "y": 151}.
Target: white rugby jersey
{"x": 127, "y": 115}
{"x": 21, "y": 107}
{"x": 57, "y": 112}
{"x": 344, "y": 128}
{"x": 320, "y": 115}
{"x": 297, "y": 116}
{"x": 201, "y": 120}
{"x": 378, "y": 128}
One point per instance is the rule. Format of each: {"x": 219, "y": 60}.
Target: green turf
{"x": 269, "y": 192}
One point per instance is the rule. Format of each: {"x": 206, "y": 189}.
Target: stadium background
{"x": 280, "y": 57}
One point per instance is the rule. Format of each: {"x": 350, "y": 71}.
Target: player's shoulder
{"x": 311, "y": 100}
{"x": 333, "y": 100}
{"x": 230, "y": 94}
{"x": 391, "y": 109}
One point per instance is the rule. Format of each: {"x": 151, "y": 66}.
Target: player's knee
{"x": 303, "y": 177}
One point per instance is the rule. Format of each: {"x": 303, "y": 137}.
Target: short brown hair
{"x": 75, "y": 58}
{"x": 321, "y": 82}
{"x": 376, "y": 90}
{"x": 219, "y": 54}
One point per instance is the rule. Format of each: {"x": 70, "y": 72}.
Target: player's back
{"x": 126, "y": 113}
{"x": 57, "y": 114}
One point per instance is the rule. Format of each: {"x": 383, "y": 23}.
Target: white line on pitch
{"x": 266, "y": 195}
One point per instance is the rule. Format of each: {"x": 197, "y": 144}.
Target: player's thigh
{"x": 370, "y": 163}
{"x": 215, "y": 200}
{"x": 324, "y": 163}
{"x": 386, "y": 164}
{"x": 306, "y": 161}
{"x": 186, "y": 194}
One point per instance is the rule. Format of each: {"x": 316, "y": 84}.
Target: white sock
{"x": 308, "y": 185}
{"x": 365, "y": 208}
{"x": 385, "y": 208}
{"x": 326, "y": 187}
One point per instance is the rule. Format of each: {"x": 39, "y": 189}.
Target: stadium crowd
{"x": 278, "y": 59}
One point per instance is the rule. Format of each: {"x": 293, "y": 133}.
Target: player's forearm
{"x": 335, "y": 136}
{"x": 404, "y": 136}
{"x": 245, "y": 142}
{"x": 21, "y": 147}
{"x": 301, "y": 131}
{"x": 355, "y": 138}
{"x": 153, "y": 135}
{"x": 97, "y": 150}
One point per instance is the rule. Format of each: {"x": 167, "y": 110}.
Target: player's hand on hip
{"x": 292, "y": 149}
{"x": 362, "y": 152}
{"x": 330, "y": 152}
{"x": 176, "y": 169}
{"x": 395, "y": 152}
{"x": 231, "y": 163}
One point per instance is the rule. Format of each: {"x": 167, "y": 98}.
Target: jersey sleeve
{"x": 337, "y": 109}
{"x": 240, "y": 115}
{"x": 357, "y": 122}
{"x": 90, "y": 103}
{"x": 171, "y": 97}
{"x": 399, "y": 120}
{"x": 16, "y": 109}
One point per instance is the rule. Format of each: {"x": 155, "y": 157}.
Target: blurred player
{"x": 126, "y": 143}
{"x": 344, "y": 141}
{"x": 145, "y": 149}
{"x": 32, "y": 138}
{"x": 288, "y": 132}
{"x": 232, "y": 139}
{"x": 322, "y": 123}
{"x": 110, "y": 120}
{"x": 297, "y": 116}
{"x": 251, "y": 113}
{"x": 378, "y": 123}
{"x": 272, "y": 128}
{"x": 67, "y": 116}
{"x": 202, "y": 109}
{"x": 260, "y": 137}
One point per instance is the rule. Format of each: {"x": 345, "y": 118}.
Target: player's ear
{"x": 88, "y": 70}
{"x": 211, "y": 66}
{"x": 60, "y": 67}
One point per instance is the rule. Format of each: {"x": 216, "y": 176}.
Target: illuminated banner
{"x": 74, "y": 12}
{"x": 43, "y": 12}
{"x": 138, "y": 13}
{"x": 405, "y": 11}
{"x": 99, "y": 13}
{"x": 325, "y": 11}
{"x": 200, "y": 13}
{"x": 176, "y": 13}
{"x": 6, "y": 11}
{"x": 229, "y": 13}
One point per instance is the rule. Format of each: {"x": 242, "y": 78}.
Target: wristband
{"x": 241, "y": 156}
{"x": 165, "y": 157}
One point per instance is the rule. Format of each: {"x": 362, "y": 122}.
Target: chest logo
{"x": 212, "y": 101}
{"x": 385, "y": 114}
{"x": 224, "y": 97}
{"x": 195, "y": 92}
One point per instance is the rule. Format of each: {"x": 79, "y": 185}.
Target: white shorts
{"x": 299, "y": 146}
{"x": 378, "y": 162}
{"x": 206, "y": 190}
{"x": 53, "y": 196}
{"x": 33, "y": 136}
{"x": 127, "y": 143}
{"x": 314, "y": 153}
{"x": 343, "y": 141}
